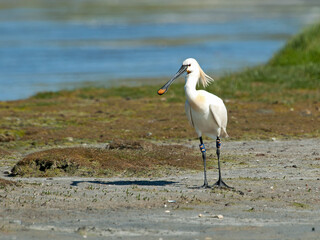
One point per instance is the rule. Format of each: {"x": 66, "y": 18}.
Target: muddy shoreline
{"x": 277, "y": 197}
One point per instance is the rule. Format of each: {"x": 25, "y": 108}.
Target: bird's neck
{"x": 190, "y": 87}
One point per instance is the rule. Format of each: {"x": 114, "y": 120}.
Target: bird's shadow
{"x": 126, "y": 183}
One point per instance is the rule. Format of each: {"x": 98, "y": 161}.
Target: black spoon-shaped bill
{"x": 165, "y": 87}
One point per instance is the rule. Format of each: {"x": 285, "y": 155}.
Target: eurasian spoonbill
{"x": 205, "y": 111}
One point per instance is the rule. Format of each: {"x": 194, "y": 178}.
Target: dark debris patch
{"x": 4, "y": 183}
{"x": 125, "y": 144}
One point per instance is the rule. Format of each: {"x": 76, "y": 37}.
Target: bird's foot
{"x": 221, "y": 184}
{"x": 205, "y": 185}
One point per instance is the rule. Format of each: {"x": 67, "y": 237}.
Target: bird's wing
{"x": 188, "y": 113}
{"x": 219, "y": 113}
{"x": 214, "y": 112}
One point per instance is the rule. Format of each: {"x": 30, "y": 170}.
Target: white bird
{"x": 205, "y": 111}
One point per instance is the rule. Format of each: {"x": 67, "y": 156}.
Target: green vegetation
{"x": 291, "y": 76}
{"x": 303, "y": 49}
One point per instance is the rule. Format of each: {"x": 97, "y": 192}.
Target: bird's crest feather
{"x": 204, "y": 78}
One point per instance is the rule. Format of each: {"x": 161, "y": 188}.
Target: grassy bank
{"x": 280, "y": 99}
{"x": 291, "y": 76}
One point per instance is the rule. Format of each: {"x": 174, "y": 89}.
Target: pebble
{"x": 219, "y": 216}
{"x": 171, "y": 201}
{"x": 167, "y": 211}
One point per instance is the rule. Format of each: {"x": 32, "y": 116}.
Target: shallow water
{"x": 51, "y": 45}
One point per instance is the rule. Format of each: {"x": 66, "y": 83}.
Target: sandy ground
{"x": 276, "y": 196}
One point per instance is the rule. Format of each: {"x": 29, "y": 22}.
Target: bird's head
{"x": 191, "y": 66}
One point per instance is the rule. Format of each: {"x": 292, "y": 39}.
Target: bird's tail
{"x": 224, "y": 133}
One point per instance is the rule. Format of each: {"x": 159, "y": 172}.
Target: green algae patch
{"x": 299, "y": 205}
{"x": 120, "y": 158}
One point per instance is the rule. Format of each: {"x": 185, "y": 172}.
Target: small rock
{"x": 171, "y": 201}
{"x": 167, "y": 211}
{"x": 200, "y": 215}
{"x": 70, "y": 139}
{"x": 8, "y": 172}
{"x": 273, "y": 139}
{"x": 306, "y": 112}
{"x": 149, "y": 134}
{"x": 218, "y": 216}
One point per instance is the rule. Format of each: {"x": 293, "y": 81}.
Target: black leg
{"x": 203, "y": 151}
{"x": 220, "y": 182}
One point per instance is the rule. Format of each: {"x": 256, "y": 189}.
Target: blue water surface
{"x": 41, "y": 49}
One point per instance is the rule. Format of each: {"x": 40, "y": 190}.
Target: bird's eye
{"x": 189, "y": 65}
